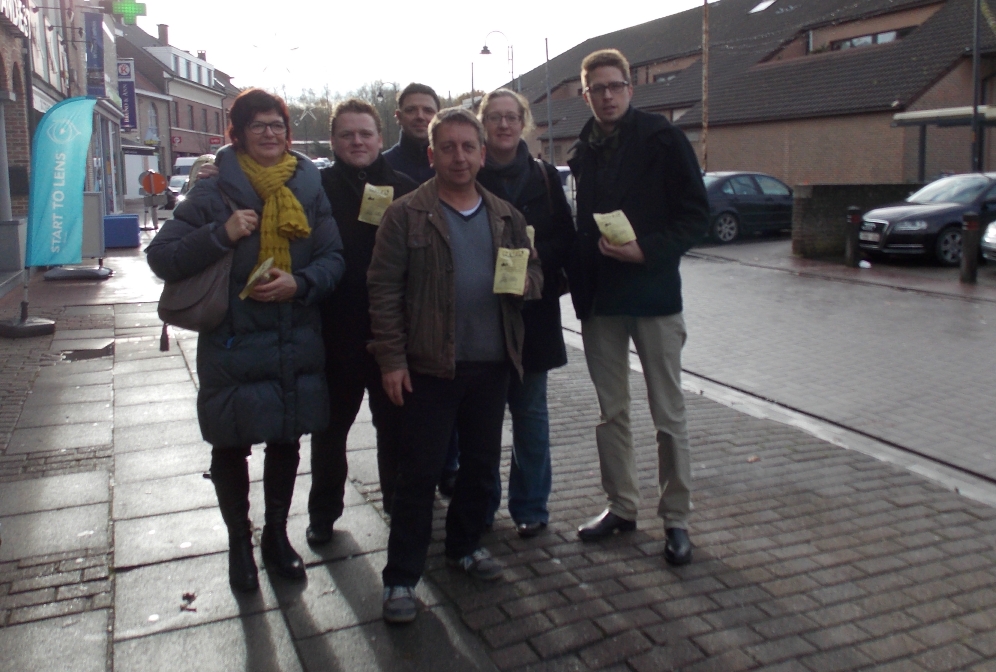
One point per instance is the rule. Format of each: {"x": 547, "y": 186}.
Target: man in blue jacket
{"x": 417, "y": 105}
{"x": 641, "y": 170}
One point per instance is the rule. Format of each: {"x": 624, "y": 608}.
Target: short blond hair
{"x": 454, "y": 115}
{"x": 356, "y": 106}
{"x": 600, "y": 59}
{"x": 527, "y": 115}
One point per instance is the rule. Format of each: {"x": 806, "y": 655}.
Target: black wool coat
{"x": 262, "y": 370}
{"x": 346, "y": 312}
{"x": 548, "y": 212}
{"x": 654, "y": 178}
{"x": 408, "y": 156}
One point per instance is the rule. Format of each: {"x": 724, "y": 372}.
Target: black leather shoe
{"x": 242, "y": 573}
{"x": 603, "y": 525}
{"x": 678, "y": 549}
{"x": 318, "y": 534}
{"x": 529, "y": 530}
{"x": 278, "y": 554}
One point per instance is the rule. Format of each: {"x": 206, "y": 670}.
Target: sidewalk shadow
{"x": 336, "y": 622}
{"x": 261, "y": 649}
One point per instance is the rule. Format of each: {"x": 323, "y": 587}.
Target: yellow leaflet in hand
{"x": 531, "y": 234}
{"x": 262, "y": 272}
{"x": 375, "y": 202}
{"x": 510, "y": 271}
{"x": 615, "y": 227}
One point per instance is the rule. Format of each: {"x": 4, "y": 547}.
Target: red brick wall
{"x": 840, "y": 150}
{"x": 18, "y": 152}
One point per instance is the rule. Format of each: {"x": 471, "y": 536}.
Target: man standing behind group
{"x": 360, "y": 185}
{"x": 639, "y": 168}
{"x": 445, "y": 341}
{"x": 417, "y": 105}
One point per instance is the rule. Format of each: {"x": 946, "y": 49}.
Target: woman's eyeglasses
{"x": 259, "y": 127}
{"x": 496, "y": 118}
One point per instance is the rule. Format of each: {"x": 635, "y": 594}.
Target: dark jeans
{"x": 530, "y": 480}
{"x": 474, "y": 403}
{"x": 346, "y": 382}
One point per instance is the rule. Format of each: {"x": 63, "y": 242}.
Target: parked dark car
{"x": 741, "y": 203}
{"x": 928, "y": 222}
{"x": 988, "y": 247}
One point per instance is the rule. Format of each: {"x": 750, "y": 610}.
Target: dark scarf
{"x": 515, "y": 175}
{"x": 605, "y": 144}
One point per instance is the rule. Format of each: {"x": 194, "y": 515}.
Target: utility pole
{"x": 976, "y": 122}
{"x": 705, "y": 84}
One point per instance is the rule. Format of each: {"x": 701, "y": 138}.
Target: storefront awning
{"x": 947, "y": 116}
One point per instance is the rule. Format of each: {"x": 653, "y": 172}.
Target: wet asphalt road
{"x": 913, "y": 369}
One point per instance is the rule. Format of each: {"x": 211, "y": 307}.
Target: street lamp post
{"x": 511, "y": 58}
{"x": 976, "y": 122}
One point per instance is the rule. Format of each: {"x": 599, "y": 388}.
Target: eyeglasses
{"x": 613, "y": 87}
{"x": 259, "y": 127}
{"x": 496, "y": 118}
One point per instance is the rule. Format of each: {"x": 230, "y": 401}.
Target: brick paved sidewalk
{"x": 807, "y": 557}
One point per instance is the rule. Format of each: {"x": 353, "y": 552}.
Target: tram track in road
{"x": 971, "y": 483}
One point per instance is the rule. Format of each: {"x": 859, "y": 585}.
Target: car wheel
{"x": 726, "y": 228}
{"x": 947, "y": 249}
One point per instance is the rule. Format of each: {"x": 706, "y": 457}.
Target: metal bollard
{"x": 970, "y": 234}
{"x": 852, "y": 251}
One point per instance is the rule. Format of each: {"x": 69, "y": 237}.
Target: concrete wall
{"x": 819, "y": 213}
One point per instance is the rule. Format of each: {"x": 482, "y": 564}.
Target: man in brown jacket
{"x": 445, "y": 343}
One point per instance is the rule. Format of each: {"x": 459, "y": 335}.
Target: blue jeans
{"x": 531, "y": 477}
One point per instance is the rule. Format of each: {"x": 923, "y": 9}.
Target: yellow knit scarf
{"x": 283, "y": 217}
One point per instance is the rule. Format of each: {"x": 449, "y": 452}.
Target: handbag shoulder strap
{"x": 546, "y": 181}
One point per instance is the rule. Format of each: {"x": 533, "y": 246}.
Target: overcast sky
{"x": 310, "y": 43}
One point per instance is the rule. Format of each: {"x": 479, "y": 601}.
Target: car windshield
{"x": 955, "y": 189}
{"x": 177, "y": 181}
{"x": 709, "y": 179}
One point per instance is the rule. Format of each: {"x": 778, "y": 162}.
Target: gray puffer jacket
{"x": 262, "y": 370}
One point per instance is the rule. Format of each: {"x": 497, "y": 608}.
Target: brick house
{"x": 182, "y": 102}
{"x": 806, "y": 90}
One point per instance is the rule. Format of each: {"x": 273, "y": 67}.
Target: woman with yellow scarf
{"x": 262, "y": 370}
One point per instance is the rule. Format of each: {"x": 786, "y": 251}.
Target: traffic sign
{"x": 154, "y": 183}
{"x": 214, "y": 140}
{"x": 175, "y": 139}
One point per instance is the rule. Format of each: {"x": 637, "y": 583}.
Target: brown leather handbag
{"x": 200, "y": 302}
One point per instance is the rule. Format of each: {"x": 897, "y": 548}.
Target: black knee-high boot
{"x": 230, "y": 475}
{"x": 279, "y": 474}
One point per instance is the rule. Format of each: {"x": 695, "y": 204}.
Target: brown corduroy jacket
{"x": 410, "y": 284}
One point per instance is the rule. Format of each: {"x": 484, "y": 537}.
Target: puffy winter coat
{"x": 262, "y": 370}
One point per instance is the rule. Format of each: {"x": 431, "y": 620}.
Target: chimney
{"x": 164, "y": 34}
{"x": 203, "y": 55}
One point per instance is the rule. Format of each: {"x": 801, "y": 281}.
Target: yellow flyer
{"x": 261, "y": 273}
{"x": 531, "y": 234}
{"x": 615, "y": 227}
{"x": 510, "y": 271}
{"x": 375, "y": 202}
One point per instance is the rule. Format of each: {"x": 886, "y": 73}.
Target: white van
{"x": 182, "y": 165}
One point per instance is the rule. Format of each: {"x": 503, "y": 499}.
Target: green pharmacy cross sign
{"x": 128, "y": 11}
